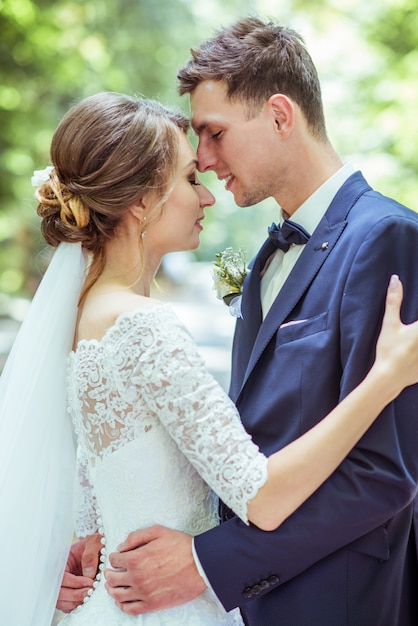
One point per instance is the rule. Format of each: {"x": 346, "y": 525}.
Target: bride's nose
{"x": 206, "y": 198}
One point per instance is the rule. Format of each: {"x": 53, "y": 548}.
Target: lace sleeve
{"x": 171, "y": 378}
{"x": 86, "y": 515}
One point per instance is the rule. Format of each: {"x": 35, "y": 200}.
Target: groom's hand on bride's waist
{"x": 154, "y": 569}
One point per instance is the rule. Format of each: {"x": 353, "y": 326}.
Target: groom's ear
{"x": 282, "y": 110}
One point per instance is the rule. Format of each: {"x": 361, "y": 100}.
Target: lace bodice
{"x": 156, "y": 433}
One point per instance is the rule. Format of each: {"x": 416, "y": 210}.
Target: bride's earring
{"x": 143, "y": 223}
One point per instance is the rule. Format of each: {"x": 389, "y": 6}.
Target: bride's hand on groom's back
{"x": 80, "y": 572}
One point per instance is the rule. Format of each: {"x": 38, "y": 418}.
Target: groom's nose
{"x": 205, "y": 156}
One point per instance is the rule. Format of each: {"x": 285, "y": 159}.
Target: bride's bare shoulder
{"x": 100, "y": 312}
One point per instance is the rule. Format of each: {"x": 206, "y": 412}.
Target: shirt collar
{"x": 310, "y": 213}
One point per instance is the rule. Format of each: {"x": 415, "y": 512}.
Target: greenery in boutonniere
{"x": 229, "y": 273}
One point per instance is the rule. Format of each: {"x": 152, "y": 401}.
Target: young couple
{"x": 329, "y": 491}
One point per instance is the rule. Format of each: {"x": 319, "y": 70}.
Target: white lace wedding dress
{"x": 154, "y": 430}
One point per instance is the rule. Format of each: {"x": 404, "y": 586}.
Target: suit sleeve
{"x": 379, "y": 477}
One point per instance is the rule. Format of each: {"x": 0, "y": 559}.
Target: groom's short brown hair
{"x": 257, "y": 59}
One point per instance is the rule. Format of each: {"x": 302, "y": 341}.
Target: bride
{"x": 156, "y": 436}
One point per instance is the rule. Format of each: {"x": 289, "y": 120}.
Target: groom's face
{"x": 239, "y": 150}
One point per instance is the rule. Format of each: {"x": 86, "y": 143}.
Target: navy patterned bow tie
{"x": 288, "y": 233}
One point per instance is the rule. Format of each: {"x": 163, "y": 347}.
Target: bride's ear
{"x": 143, "y": 206}
{"x": 138, "y": 210}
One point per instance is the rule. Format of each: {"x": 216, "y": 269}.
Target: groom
{"x": 306, "y": 338}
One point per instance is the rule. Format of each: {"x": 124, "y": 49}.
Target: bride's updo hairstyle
{"x": 107, "y": 152}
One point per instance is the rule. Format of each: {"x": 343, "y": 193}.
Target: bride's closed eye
{"x": 194, "y": 181}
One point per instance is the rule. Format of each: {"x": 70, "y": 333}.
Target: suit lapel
{"x": 309, "y": 263}
{"x": 257, "y": 335}
{"x": 247, "y": 327}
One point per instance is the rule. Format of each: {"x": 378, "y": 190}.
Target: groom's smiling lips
{"x": 228, "y": 178}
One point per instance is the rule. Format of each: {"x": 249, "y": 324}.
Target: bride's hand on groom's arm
{"x": 156, "y": 570}
{"x": 79, "y": 573}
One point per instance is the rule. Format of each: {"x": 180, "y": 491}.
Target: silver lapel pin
{"x": 323, "y": 246}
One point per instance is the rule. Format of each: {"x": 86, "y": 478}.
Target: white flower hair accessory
{"x": 40, "y": 177}
{"x": 229, "y": 273}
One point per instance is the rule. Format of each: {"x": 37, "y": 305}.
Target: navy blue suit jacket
{"x": 348, "y": 555}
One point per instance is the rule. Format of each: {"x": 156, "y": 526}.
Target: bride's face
{"x": 180, "y": 223}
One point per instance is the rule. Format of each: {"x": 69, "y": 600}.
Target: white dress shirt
{"x": 308, "y": 215}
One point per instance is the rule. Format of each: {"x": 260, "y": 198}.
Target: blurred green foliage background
{"x": 53, "y": 53}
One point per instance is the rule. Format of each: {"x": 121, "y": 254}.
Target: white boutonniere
{"x": 229, "y": 273}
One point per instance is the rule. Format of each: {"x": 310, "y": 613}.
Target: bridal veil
{"x": 37, "y": 460}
